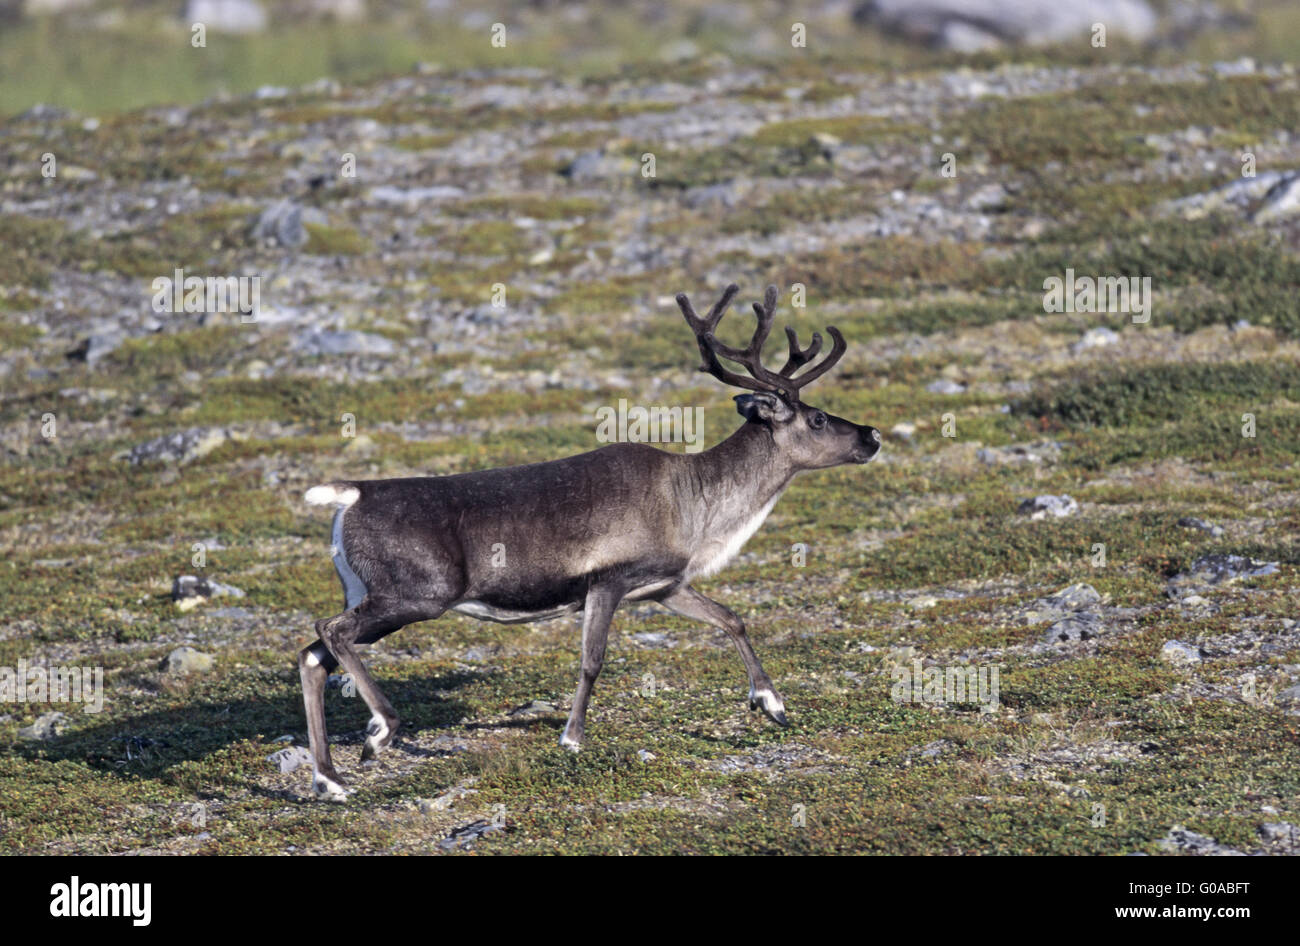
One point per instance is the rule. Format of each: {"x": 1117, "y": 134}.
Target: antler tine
{"x": 797, "y": 357}
{"x": 838, "y": 348}
{"x": 709, "y": 322}
{"x": 763, "y": 379}
{"x": 703, "y": 329}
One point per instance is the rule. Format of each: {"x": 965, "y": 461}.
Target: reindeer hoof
{"x": 327, "y": 789}
{"x": 379, "y": 734}
{"x": 573, "y": 745}
{"x": 771, "y": 705}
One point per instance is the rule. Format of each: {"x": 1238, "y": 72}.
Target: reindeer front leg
{"x": 597, "y": 614}
{"x": 689, "y": 603}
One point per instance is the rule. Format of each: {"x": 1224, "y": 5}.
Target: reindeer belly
{"x": 502, "y": 615}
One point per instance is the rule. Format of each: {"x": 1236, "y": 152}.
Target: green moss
{"x": 536, "y": 206}
{"x": 334, "y": 241}
{"x": 800, "y": 207}
{"x": 486, "y": 238}
{"x": 1155, "y": 393}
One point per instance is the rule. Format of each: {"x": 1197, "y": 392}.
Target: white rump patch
{"x": 330, "y": 494}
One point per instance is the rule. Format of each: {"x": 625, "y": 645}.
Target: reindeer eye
{"x": 817, "y": 421}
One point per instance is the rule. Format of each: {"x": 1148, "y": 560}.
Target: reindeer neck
{"x": 744, "y": 472}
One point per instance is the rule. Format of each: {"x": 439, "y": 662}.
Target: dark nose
{"x": 871, "y": 441}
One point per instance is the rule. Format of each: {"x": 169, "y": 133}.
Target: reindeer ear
{"x": 767, "y": 408}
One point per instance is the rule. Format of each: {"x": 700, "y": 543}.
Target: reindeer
{"x": 627, "y": 522}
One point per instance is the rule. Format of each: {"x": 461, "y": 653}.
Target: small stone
{"x": 1290, "y": 696}
{"x": 645, "y": 755}
{"x": 182, "y": 447}
{"x": 289, "y": 759}
{"x": 1017, "y": 453}
{"x": 1180, "y": 654}
{"x": 988, "y": 197}
{"x": 1280, "y": 203}
{"x": 466, "y": 835}
{"x": 1280, "y": 831}
{"x": 1096, "y": 338}
{"x": 596, "y": 165}
{"x": 283, "y": 223}
{"x": 1194, "y": 522}
{"x": 186, "y": 660}
{"x": 945, "y": 386}
{"x": 654, "y": 639}
{"x": 226, "y": 16}
{"x": 904, "y": 431}
{"x": 94, "y": 348}
{"x": 1244, "y": 66}
{"x": 535, "y": 708}
{"x": 1048, "y": 506}
{"x": 386, "y": 194}
{"x": 44, "y": 729}
{"x": 344, "y": 343}
{"x": 1077, "y": 627}
{"x": 1070, "y": 598}
{"x": 1216, "y": 569}
{"x": 1182, "y": 841}
{"x": 191, "y": 586}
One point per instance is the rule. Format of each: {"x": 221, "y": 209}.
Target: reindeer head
{"x": 811, "y": 438}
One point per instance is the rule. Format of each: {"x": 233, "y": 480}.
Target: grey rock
{"x": 1098, "y": 337}
{"x": 535, "y": 708}
{"x": 1070, "y": 598}
{"x": 186, "y": 660}
{"x": 1180, "y": 654}
{"x": 1244, "y": 66}
{"x": 724, "y": 195}
{"x": 286, "y": 760}
{"x": 344, "y": 343}
{"x": 181, "y": 447}
{"x": 387, "y": 194}
{"x": 465, "y": 836}
{"x": 226, "y": 16}
{"x": 945, "y": 386}
{"x": 1082, "y": 626}
{"x": 976, "y": 25}
{"x": 934, "y": 749}
{"x": 1194, "y": 522}
{"x": 988, "y": 197}
{"x": 285, "y": 223}
{"x": 1181, "y": 841}
{"x": 1017, "y": 453}
{"x": 1048, "y": 506}
{"x": 1280, "y": 831}
{"x": 94, "y": 348}
{"x": 1217, "y": 568}
{"x": 45, "y": 728}
{"x": 1238, "y": 194}
{"x": 1281, "y": 202}
{"x": 444, "y": 802}
{"x": 1290, "y": 696}
{"x": 597, "y": 165}
{"x": 191, "y": 586}
{"x": 654, "y": 639}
